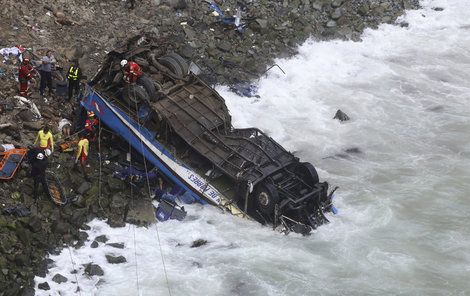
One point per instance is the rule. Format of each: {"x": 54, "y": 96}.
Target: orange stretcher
{"x": 67, "y": 146}
{"x": 10, "y": 161}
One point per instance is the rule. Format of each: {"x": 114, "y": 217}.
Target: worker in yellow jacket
{"x": 82, "y": 154}
{"x": 45, "y": 139}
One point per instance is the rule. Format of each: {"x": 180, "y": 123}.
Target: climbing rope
{"x": 132, "y": 203}
{"x": 100, "y": 173}
{"x": 76, "y": 278}
{"x": 149, "y": 195}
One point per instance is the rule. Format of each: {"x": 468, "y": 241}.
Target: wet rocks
{"x": 115, "y": 260}
{"x": 101, "y": 238}
{"x": 341, "y": 116}
{"x": 198, "y": 243}
{"x": 58, "y": 278}
{"x": 44, "y": 286}
{"x": 116, "y": 245}
{"x": 93, "y": 269}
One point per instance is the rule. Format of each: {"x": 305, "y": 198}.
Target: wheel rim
{"x": 263, "y": 199}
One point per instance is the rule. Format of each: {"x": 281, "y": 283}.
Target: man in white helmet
{"x": 132, "y": 71}
{"x": 38, "y": 172}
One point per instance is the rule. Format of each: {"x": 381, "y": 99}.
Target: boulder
{"x": 94, "y": 245}
{"x": 93, "y": 269}
{"x": 341, "y": 116}
{"x": 198, "y": 243}
{"x": 58, "y": 278}
{"x": 116, "y": 245}
{"x": 141, "y": 212}
{"x": 101, "y": 238}
{"x": 33, "y": 125}
{"x": 44, "y": 286}
{"x": 115, "y": 260}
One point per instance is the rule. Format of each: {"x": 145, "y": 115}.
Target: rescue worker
{"x": 25, "y": 74}
{"x": 91, "y": 125}
{"x": 132, "y": 71}
{"x": 45, "y": 139}
{"x": 38, "y": 172}
{"x": 82, "y": 154}
{"x": 64, "y": 127}
{"x": 46, "y": 73}
{"x": 73, "y": 76}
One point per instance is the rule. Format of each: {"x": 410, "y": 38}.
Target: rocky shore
{"x": 88, "y": 30}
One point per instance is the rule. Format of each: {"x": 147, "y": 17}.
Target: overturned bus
{"x": 182, "y": 126}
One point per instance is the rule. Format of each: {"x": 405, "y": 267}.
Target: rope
{"x": 100, "y": 160}
{"x": 149, "y": 195}
{"x": 76, "y": 278}
{"x": 132, "y": 203}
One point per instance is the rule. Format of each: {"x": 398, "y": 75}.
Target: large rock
{"x": 115, "y": 260}
{"x": 101, "y": 238}
{"x": 116, "y": 245}
{"x": 33, "y": 125}
{"x": 141, "y": 212}
{"x": 58, "y": 278}
{"x": 341, "y": 116}
{"x": 44, "y": 286}
{"x": 93, "y": 269}
{"x": 198, "y": 243}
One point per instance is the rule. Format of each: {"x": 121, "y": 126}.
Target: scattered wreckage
{"x": 182, "y": 127}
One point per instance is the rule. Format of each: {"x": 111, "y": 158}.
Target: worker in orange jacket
{"x": 132, "y": 71}
{"x": 26, "y": 73}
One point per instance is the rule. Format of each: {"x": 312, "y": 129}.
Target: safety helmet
{"x": 91, "y": 113}
{"x": 123, "y": 63}
{"x": 47, "y": 152}
{"x": 40, "y": 156}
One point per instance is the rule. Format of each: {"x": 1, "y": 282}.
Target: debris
{"x": 235, "y": 21}
{"x": 245, "y": 90}
{"x": 18, "y": 210}
{"x": 34, "y": 108}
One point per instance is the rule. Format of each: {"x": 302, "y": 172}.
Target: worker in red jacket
{"x": 26, "y": 73}
{"x": 91, "y": 126}
{"x": 132, "y": 71}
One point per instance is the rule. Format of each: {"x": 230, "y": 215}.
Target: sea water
{"x": 403, "y": 221}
